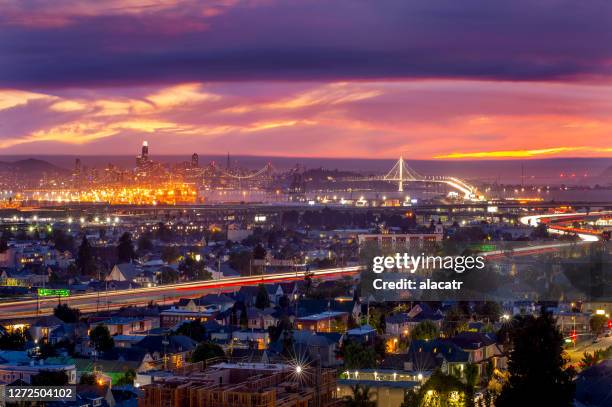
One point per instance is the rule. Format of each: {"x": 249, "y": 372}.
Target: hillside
{"x": 31, "y": 166}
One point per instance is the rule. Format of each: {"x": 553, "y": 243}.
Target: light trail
{"x": 534, "y": 220}
{"x": 102, "y": 300}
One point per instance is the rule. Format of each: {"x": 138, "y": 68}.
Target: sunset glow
{"x": 261, "y": 78}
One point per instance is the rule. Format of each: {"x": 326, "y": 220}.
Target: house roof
{"x": 594, "y": 383}
{"x": 253, "y": 312}
{"x": 361, "y": 330}
{"x": 129, "y": 270}
{"x": 440, "y": 348}
{"x": 322, "y": 316}
{"x": 315, "y": 306}
{"x": 472, "y": 340}
{"x": 47, "y": 321}
{"x": 400, "y": 318}
{"x": 176, "y": 343}
{"x": 312, "y": 338}
{"x": 214, "y": 299}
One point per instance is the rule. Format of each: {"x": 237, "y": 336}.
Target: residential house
{"x": 17, "y": 365}
{"x": 328, "y": 321}
{"x": 43, "y": 327}
{"x": 261, "y": 319}
{"x": 363, "y": 334}
{"x": 126, "y": 325}
{"x": 482, "y": 349}
{"x": 172, "y": 350}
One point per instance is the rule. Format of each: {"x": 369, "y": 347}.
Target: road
{"x": 528, "y": 250}
{"x": 534, "y": 220}
{"x": 575, "y": 354}
{"x": 167, "y": 294}
{"x": 92, "y": 302}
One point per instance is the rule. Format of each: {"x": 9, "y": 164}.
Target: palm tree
{"x": 361, "y": 397}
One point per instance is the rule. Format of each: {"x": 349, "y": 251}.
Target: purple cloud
{"x": 130, "y": 44}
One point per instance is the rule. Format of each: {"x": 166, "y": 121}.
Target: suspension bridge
{"x": 265, "y": 171}
{"x": 401, "y": 173}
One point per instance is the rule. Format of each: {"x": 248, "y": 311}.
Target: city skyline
{"x": 516, "y": 81}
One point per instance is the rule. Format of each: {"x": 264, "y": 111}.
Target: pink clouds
{"x": 419, "y": 119}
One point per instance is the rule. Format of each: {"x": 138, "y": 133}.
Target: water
{"x": 568, "y": 171}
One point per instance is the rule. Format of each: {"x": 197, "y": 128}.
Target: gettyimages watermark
{"x": 497, "y": 271}
{"x": 411, "y": 264}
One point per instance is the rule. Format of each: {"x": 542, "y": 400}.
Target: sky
{"x": 436, "y": 79}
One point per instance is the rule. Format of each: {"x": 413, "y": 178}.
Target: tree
{"x": 46, "y": 350}
{"x": 101, "y": 339}
{"x": 471, "y": 375}
{"x": 455, "y": 321}
{"x": 170, "y": 254}
{"x": 489, "y": 310}
{"x": 425, "y": 330}
{"x": 361, "y": 397}
{"x": 67, "y": 314}
{"x": 205, "y": 351}
{"x": 168, "y": 276}
{"x": 308, "y": 283}
{"x": 144, "y": 243}
{"x": 62, "y": 240}
{"x": 411, "y": 399}
{"x": 3, "y": 244}
{"x": 440, "y": 390}
{"x": 591, "y": 359}
{"x": 588, "y": 359}
{"x": 85, "y": 261}
{"x": 12, "y": 341}
{"x": 262, "y": 300}
{"x": 244, "y": 319}
{"x": 50, "y": 378}
{"x": 240, "y": 260}
{"x": 358, "y": 356}
{"x": 127, "y": 378}
{"x": 125, "y": 249}
{"x": 88, "y": 379}
{"x": 193, "y": 269}
{"x": 193, "y": 329}
{"x": 284, "y": 302}
{"x": 537, "y": 368}
{"x": 259, "y": 252}
{"x": 598, "y": 323}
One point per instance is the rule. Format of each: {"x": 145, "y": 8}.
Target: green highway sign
{"x": 53, "y": 292}
{"x": 484, "y": 247}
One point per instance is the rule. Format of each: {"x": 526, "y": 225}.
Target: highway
{"x": 112, "y": 300}
{"x": 529, "y": 250}
{"x": 585, "y": 235}
{"x": 575, "y": 354}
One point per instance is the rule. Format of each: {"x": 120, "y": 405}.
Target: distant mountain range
{"x": 31, "y": 166}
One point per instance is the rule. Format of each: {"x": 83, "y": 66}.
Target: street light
{"x": 298, "y": 369}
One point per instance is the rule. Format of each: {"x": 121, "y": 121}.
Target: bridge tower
{"x": 401, "y": 172}
{"x": 401, "y": 175}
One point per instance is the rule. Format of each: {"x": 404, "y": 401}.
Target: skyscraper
{"x": 77, "y": 166}
{"x": 145, "y": 150}
{"x": 143, "y": 158}
{"x": 195, "y": 160}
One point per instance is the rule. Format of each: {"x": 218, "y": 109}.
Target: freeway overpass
{"x": 550, "y": 219}
{"x": 112, "y": 300}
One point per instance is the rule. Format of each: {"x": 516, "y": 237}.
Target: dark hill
{"x": 31, "y": 166}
